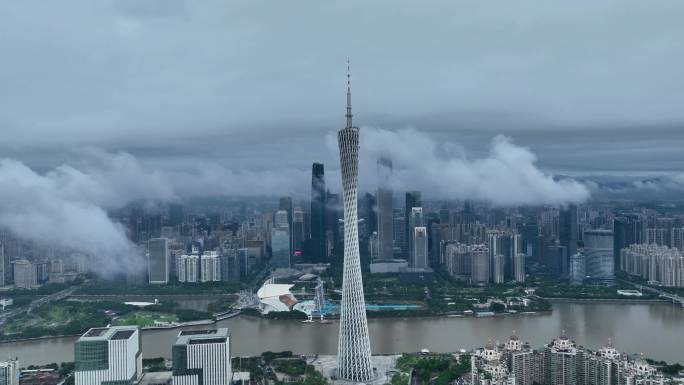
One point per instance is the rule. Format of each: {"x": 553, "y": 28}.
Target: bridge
{"x": 672, "y": 297}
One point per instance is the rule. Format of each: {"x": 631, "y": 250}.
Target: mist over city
{"x": 331, "y": 193}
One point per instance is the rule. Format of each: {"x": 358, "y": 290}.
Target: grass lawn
{"x": 143, "y": 318}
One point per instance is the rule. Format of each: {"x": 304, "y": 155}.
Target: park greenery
{"x": 61, "y": 318}
{"x": 221, "y": 305}
{"x": 291, "y": 367}
{"x": 144, "y": 318}
{"x": 443, "y": 295}
{"x": 437, "y": 369}
{"x": 667, "y": 369}
{"x": 67, "y": 317}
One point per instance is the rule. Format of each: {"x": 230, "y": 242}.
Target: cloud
{"x": 506, "y": 176}
{"x": 40, "y": 208}
{"x": 662, "y": 186}
{"x": 67, "y": 206}
{"x": 160, "y": 74}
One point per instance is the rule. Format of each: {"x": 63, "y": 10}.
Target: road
{"x": 4, "y": 317}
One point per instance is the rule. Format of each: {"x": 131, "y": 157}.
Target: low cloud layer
{"x": 507, "y": 175}
{"x": 52, "y": 209}
{"x": 68, "y": 205}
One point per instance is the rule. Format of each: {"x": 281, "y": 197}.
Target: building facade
{"x": 202, "y": 357}
{"x": 105, "y": 356}
{"x": 9, "y": 372}
{"x": 385, "y": 210}
{"x": 158, "y": 260}
{"x": 599, "y": 259}
{"x": 318, "y": 202}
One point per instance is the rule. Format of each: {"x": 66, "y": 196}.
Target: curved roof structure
{"x": 275, "y": 297}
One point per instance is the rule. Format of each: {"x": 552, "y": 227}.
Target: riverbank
{"x": 607, "y": 300}
{"x": 590, "y": 324}
{"x": 180, "y": 325}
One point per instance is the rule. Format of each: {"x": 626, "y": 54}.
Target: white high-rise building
{"x": 660, "y": 265}
{"x": 202, "y": 357}
{"x": 498, "y": 268}
{"x": 158, "y": 260}
{"x": 24, "y": 274}
{"x": 578, "y": 270}
{"x": 187, "y": 268}
{"x": 519, "y": 267}
{"x": 9, "y": 372}
{"x": 108, "y": 356}
{"x": 480, "y": 264}
{"x": 210, "y": 267}
{"x": 353, "y": 349}
{"x": 181, "y": 266}
{"x": 415, "y": 220}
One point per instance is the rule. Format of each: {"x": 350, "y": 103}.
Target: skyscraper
{"x": 368, "y": 213}
{"x": 353, "y": 350}
{"x": 202, "y": 357}
{"x": 24, "y": 274}
{"x": 562, "y": 362}
{"x": 158, "y": 260}
{"x": 210, "y": 267}
{"x": 627, "y": 230}
{"x": 419, "y": 257}
{"x": 297, "y": 232}
{"x": 285, "y": 204}
{"x": 385, "y": 211}
{"x": 598, "y": 253}
{"x": 412, "y": 200}
{"x": 318, "y": 252}
{"x": 333, "y": 212}
{"x": 480, "y": 265}
{"x": 519, "y": 267}
{"x": 4, "y": 266}
{"x": 567, "y": 232}
{"x": 108, "y": 356}
{"x": 280, "y": 246}
{"x": 416, "y": 219}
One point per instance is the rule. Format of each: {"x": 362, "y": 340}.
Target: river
{"x": 655, "y": 329}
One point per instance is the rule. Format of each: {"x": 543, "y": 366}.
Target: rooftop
{"x": 206, "y": 336}
{"x": 110, "y": 333}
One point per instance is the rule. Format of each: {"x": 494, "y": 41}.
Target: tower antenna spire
{"x": 349, "y": 113}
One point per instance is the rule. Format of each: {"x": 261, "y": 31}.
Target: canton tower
{"x": 353, "y": 349}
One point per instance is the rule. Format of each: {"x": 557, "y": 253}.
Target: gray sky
{"x": 588, "y": 86}
{"x": 511, "y": 102}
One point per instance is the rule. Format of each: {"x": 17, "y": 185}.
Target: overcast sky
{"x": 588, "y": 86}
{"x": 511, "y": 102}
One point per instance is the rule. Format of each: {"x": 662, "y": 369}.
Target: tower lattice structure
{"x": 353, "y": 350}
